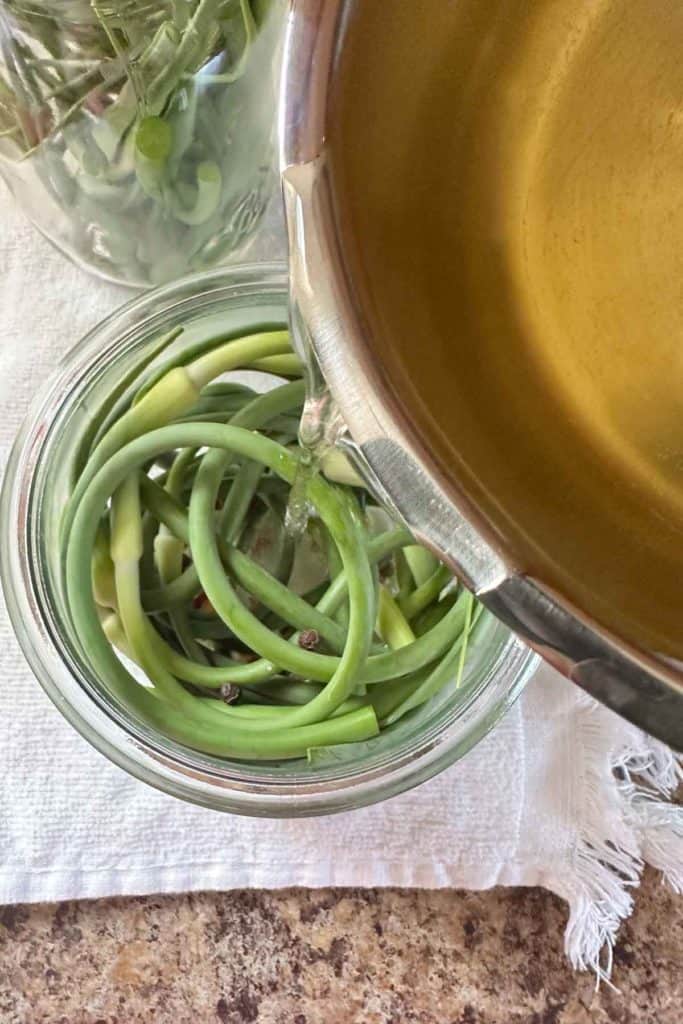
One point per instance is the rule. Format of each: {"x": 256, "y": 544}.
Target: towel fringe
{"x": 629, "y": 822}
{"x": 646, "y": 787}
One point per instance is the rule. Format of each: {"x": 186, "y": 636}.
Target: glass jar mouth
{"x": 31, "y": 493}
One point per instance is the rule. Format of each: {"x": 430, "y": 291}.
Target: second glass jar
{"x": 138, "y": 137}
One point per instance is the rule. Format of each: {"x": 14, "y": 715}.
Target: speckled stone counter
{"x": 332, "y": 957}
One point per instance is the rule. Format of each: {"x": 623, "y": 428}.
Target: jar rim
{"x": 154, "y": 759}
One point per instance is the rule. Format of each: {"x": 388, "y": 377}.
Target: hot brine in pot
{"x": 507, "y": 181}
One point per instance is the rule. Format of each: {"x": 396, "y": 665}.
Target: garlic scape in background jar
{"x": 138, "y": 136}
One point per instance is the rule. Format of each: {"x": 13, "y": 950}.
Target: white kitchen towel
{"x": 562, "y": 794}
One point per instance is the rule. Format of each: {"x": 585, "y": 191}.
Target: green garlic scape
{"x": 179, "y": 559}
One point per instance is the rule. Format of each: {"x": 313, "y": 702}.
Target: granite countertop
{"x": 332, "y": 956}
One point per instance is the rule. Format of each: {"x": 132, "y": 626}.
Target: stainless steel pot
{"x": 644, "y": 688}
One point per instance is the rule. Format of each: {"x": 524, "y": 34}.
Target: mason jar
{"x": 137, "y": 135}
{"x": 35, "y": 491}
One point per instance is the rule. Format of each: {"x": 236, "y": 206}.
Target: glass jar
{"x": 33, "y": 498}
{"x": 137, "y": 135}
